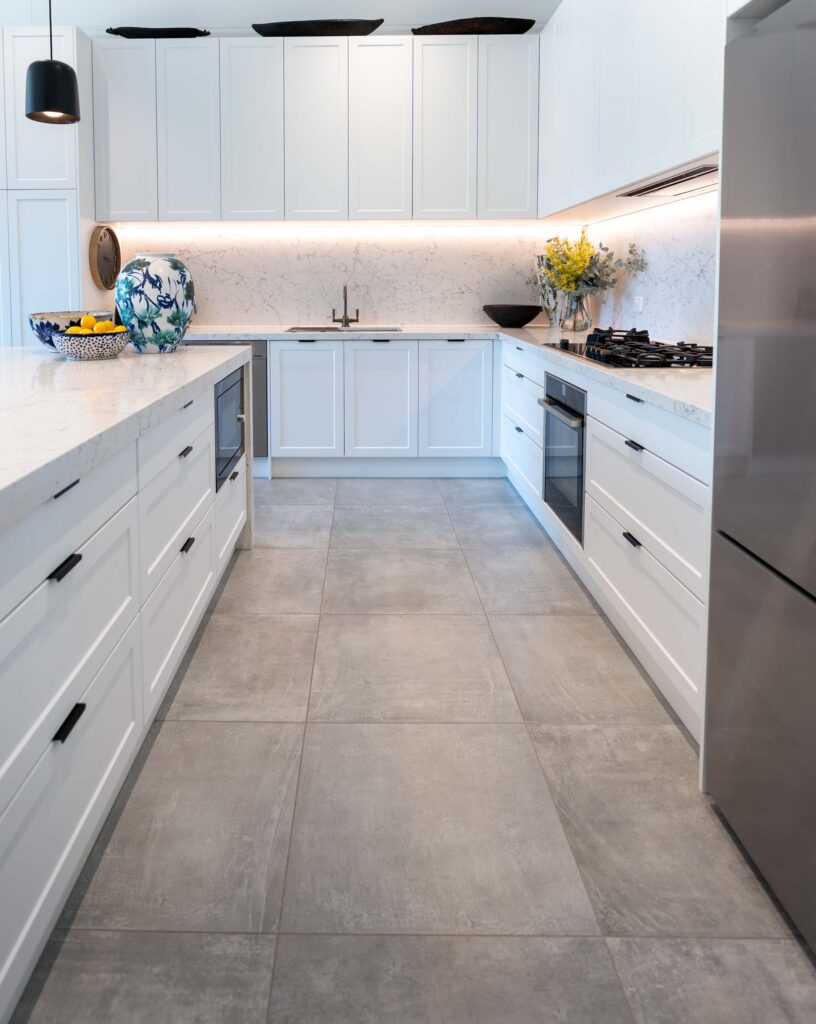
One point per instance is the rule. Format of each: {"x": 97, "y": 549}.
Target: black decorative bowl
{"x": 319, "y": 27}
{"x": 512, "y": 316}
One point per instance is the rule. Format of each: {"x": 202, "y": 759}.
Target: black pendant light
{"x": 52, "y": 93}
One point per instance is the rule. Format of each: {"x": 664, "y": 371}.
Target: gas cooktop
{"x": 634, "y": 349}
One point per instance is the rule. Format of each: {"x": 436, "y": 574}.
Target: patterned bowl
{"x": 91, "y": 346}
{"x": 46, "y": 325}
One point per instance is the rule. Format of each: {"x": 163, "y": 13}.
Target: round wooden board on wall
{"x": 105, "y": 257}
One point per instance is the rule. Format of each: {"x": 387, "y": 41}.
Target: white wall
{"x": 215, "y": 14}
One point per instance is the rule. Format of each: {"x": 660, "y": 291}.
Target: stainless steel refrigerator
{"x": 760, "y": 747}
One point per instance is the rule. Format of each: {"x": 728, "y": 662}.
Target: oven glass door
{"x": 564, "y": 466}
{"x": 229, "y": 425}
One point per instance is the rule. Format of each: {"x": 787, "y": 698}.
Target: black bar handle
{"x": 633, "y": 445}
{"x": 67, "y": 727}
{"x": 381, "y": 341}
{"x": 185, "y": 451}
{"x": 188, "y": 404}
{"x": 634, "y": 398}
{"x": 65, "y": 490}
{"x": 520, "y": 375}
{"x": 62, "y": 570}
{"x": 519, "y": 430}
{"x": 519, "y": 348}
{"x": 306, "y": 341}
{"x": 234, "y": 475}
{"x": 632, "y": 540}
{"x": 185, "y": 547}
{"x": 456, "y": 341}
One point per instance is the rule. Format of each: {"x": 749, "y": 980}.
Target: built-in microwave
{"x": 229, "y": 425}
{"x": 564, "y": 419}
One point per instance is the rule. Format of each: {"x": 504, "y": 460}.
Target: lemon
{"x": 74, "y": 330}
{"x": 119, "y": 329}
{"x": 88, "y": 321}
{"x": 103, "y": 326}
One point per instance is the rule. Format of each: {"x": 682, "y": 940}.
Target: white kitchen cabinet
{"x": 306, "y": 397}
{"x": 587, "y": 72}
{"x": 316, "y": 128}
{"x": 455, "y": 398}
{"x": 613, "y": 31}
{"x": 520, "y": 398}
{"x": 381, "y": 397}
{"x": 125, "y": 134}
{"x": 704, "y": 71}
{"x": 252, "y": 129}
{"x": 5, "y": 295}
{"x": 44, "y": 270}
{"x": 2, "y": 137}
{"x": 187, "y": 91}
{"x": 230, "y": 514}
{"x": 50, "y": 825}
{"x": 37, "y": 155}
{"x": 380, "y": 127}
{"x": 445, "y": 126}
{"x": 508, "y": 126}
{"x": 522, "y": 455}
{"x": 556, "y": 161}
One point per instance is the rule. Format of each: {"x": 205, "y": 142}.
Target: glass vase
{"x": 576, "y": 313}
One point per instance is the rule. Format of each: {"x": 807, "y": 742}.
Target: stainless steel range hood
{"x": 677, "y": 185}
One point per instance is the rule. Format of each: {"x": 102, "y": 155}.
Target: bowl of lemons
{"x": 91, "y": 339}
{"x": 46, "y": 325}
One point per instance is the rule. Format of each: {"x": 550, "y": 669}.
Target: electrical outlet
{"x": 638, "y": 300}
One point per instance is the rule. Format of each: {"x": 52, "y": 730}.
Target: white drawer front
{"x": 173, "y": 611}
{"x": 53, "y": 644}
{"x": 522, "y": 454}
{"x": 31, "y": 548}
{"x": 172, "y": 503}
{"x": 230, "y": 514}
{"x": 520, "y": 397}
{"x": 48, "y": 828}
{"x": 665, "y": 508}
{"x": 668, "y": 618}
{"x": 160, "y": 445}
{"x": 525, "y": 360}
{"x": 682, "y": 443}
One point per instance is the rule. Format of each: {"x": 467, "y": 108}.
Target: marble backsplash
{"x": 424, "y": 273}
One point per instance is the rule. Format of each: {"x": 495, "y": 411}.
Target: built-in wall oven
{"x": 564, "y": 430}
{"x": 229, "y": 425}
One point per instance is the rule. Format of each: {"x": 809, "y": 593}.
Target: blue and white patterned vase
{"x": 155, "y": 297}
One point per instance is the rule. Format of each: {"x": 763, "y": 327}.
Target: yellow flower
{"x": 566, "y": 261}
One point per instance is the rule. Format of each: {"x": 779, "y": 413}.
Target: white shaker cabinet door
{"x": 445, "y": 126}
{"x": 380, "y": 127}
{"x": 2, "y": 125}
{"x": 508, "y": 126}
{"x": 455, "y": 397}
{"x": 556, "y": 160}
{"x": 37, "y": 155}
{"x": 44, "y": 268}
{"x": 187, "y": 85}
{"x": 381, "y": 397}
{"x": 252, "y": 129}
{"x": 316, "y": 91}
{"x": 125, "y": 143}
{"x": 704, "y": 73}
{"x": 306, "y": 397}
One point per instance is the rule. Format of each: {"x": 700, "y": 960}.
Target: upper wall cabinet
{"x": 2, "y": 128}
{"x": 316, "y": 76}
{"x": 187, "y": 82}
{"x": 704, "y": 71}
{"x": 380, "y": 127}
{"x": 5, "y": 321}
{"x": 445, "y": 125}
{"x": 252, "y": 129}
{"x": 37, "y": 155}
{"x": 125, "y": 154}
{"x": 556, "y": 137}
{"x": 508, "y": 126}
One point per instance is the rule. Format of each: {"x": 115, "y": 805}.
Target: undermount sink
{"x": 334, "y": 329}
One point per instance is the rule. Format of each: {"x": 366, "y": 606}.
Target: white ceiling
{"x": 234, "y": 14}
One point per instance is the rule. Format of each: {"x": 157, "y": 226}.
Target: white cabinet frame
{"x": 455, "y": 398}
{"x": 381, "y": 397}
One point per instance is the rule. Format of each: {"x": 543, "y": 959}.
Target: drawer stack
{"x": 522, "y": 421}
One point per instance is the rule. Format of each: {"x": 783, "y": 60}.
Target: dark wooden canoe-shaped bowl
{"x": 477, "y": 27}
{"x": 320, "y": 27}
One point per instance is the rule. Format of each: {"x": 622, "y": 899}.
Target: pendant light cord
{"x": 50, "y": 32}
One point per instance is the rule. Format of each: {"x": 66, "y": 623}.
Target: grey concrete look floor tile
{"x": 267, "y": 581}
{"x": 527, "y": 581}
{"x": 295, "y": 491}
{"x": 400, "y": 492}
{"x": 480, "y": 491}
{"x": 654, "y": 856}
{"x": 133, "y": 978}
{"x": 490, "y": 527}
{"x": 422, "y": 668}
{"x": 388, "y": 527}
{"x": 248, "y": 668}
{"x": 441, "y": 980}
{"x": 202, "y": 839}
{"x": 429, "y": 828}
{"x": 410, "y": 582}
{"x": 292, "y": 526}
{"x": 716, "y": 981}
{"x": 569, "y": 669}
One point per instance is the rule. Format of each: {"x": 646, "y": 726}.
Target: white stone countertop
{"x": 685, "y": 393}
{"x": 60, "y": 418}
